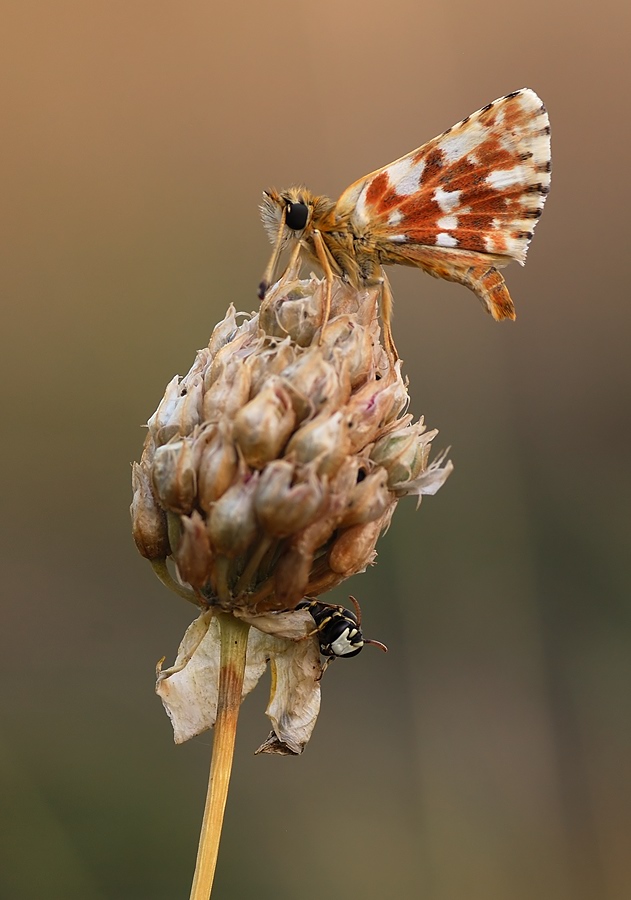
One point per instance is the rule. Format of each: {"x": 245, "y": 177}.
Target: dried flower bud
{"x": 223, "y": 332}
{"x": 175, "y": 475}
{"x": 403, "y": 453}
{"x": 271, "y": 360}
{"x": 159, "y": 425}
{"x": 297, "y": 315}
{"x": 315, "y": 383}
{"x": 284, "y": 507}
{"x": 232, "y": 524}
{"x": 354, "y": 549}
{"x": 368, "y": 411}
{"x": 262, "y": 426}
{"x": 226, "y": 394}
{"x": 217, "y": 468}
{"x": 352, "y": 345}
{"x": 369, "y": 499}
{"x": 193, "y": 557}
{"x": 325, "y": 439}
{"x": 148, "y": 519}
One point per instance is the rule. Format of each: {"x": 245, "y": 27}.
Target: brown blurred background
{"x": 488, "y": 755}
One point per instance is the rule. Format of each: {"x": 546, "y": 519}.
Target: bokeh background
{"x": 488, "y": 755}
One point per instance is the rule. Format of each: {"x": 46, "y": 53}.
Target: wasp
{"x": 338, "y": 629}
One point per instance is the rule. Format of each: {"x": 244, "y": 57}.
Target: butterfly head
{"x": 287, "y": 217}
{"x": 290, "y": 211}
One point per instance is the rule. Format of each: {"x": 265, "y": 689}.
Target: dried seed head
{"x": 280, "y": 457}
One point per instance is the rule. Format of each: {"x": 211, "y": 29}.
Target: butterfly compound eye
{"x": 296, "y": 216}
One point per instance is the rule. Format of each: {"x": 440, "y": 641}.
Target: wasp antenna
{"x": 358, "y": 611}
{"x": 377, "y": 644}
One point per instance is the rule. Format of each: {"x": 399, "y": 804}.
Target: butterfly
{"x": 459, "y": 207}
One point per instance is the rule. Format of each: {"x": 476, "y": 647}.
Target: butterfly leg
{"x": 387, "y": 303}
{"x": 323, "y": 259}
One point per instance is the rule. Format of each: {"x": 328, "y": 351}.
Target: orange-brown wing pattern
{"x": 479, "y": 187}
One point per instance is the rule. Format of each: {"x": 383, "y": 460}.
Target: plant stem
{"x": 161, "y": 570}
{"x": 234, "y": 639}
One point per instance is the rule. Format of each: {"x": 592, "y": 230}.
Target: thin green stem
{"x": 161, "y": 570}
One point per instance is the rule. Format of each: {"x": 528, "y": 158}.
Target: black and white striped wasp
{"x": 338, "y": 629}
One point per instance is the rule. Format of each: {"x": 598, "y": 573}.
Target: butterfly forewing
{"x": 479, "y": 187}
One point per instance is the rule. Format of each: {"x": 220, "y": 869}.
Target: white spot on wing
{"x": 395, "y": 217}
{"x": 447, "y": 223}
{"x": 446, "y": 240}
{"x": 360, "y": 214}
{"x": 405, "y": 175}
{"x": 503, "y": 178}
{"x": 447, "y": 200}
{"x": 463, "y": 141}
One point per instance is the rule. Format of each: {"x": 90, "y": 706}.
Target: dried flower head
{"x": 270, "y": 469}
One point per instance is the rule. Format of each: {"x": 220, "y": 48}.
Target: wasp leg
{"x": 327, "y": 663}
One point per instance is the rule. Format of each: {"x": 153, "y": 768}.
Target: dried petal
{"x": 189, "y": 688}
{"x": 429, "y": 481}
